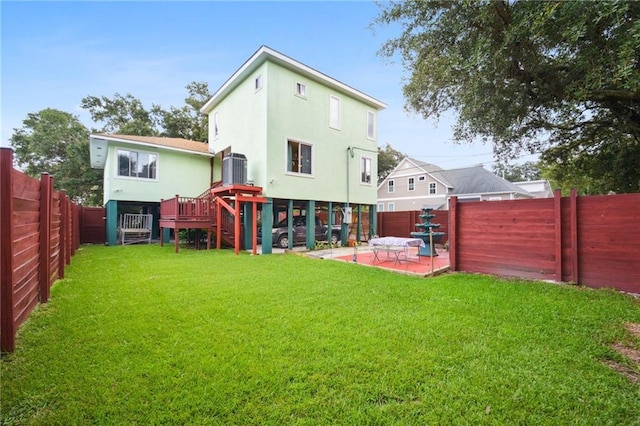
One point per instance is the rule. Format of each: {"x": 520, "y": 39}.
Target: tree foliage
{"x": 127, "y": 115}
{"x": 388, "y": 159}
{"x": 55, "y": 142}
{"x": 517, "y": 172}
{"x": 560, "y": 78}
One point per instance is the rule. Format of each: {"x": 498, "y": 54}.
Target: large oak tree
{"x": 559, "y": 78}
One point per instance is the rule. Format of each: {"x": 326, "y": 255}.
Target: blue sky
{"x": 56, "y": 53}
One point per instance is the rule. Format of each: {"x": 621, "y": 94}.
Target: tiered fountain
{"x": 427, "y": 235}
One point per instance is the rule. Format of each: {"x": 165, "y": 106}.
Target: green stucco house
{"x": 139, "y": 171}
{"x": 310, "y": 141}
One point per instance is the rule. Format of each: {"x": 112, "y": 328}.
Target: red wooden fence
{"x": 591, "y": 240}
{"x": 401, "y": 224}
{"x": 39, "y": 232}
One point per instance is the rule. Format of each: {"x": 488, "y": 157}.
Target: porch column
{"x": 112, "y": 222}
{"x": 311, "y": 225}
{"x": 344, "y": 229}
{"x": 359, "y": 224}
{"x": 290, "y": 223}
{"x": 267, "y": 225}
{"x": 373, "y": 220}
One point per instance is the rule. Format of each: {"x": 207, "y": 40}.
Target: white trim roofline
{"x": 265, "y": 53}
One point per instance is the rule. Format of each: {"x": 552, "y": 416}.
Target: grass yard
{"x": 140, "y": 335}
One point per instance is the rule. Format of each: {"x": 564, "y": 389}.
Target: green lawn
{"x": 140, "y": 335}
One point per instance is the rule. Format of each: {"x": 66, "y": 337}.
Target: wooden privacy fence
{"x": 39, "y": 232}
{"x": 401, "y": 224}
{"x": 590, "y": 240}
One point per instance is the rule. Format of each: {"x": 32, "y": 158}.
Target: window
{"x": 391, "y": 207}
{"x": 301, "y": 90}
{"x": 411, "y": 184}
{"x": 390, "y": 186}
{"x": 432, "y": 188}
{"x": 365, "y": 172}
{"x": 258, "y": 82}
{"x": 371, "y": 125}
{"x": 380, "y": 207}
{"x": 298, "y": 157}
{"x": 421, "y": 178}
{"x": 136, "y": 164}
{"x": 216, "y": 125}
{"x": 334, "y": 112}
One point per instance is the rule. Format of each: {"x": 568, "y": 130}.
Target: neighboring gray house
{"x": 415, "y": 184}
{"x": 539, "y": 188}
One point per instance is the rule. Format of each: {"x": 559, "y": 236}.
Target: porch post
{"x": 267, "y": 225}
{"x": 247, "y": 223}
{"x": 290, "y": 222}
{"x": 311, "y": 225}
{"x": 373, "y": 220}
{"x": 112, "y": 222}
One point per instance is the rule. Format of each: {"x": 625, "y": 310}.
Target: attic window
{"x": 421, "y": 178}
{"x": 371, "y": 125}
{"x": 258, "y": 82}
{"x": 301, "y": 90}
{"x": 334, "y": 112}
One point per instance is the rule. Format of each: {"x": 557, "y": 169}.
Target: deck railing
{"x": 186, "y": 208}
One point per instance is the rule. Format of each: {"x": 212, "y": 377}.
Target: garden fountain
{"x": 427, "y": 235}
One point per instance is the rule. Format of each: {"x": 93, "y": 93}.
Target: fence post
{"x": 573, "y": 208}
{"x": 557, "y": 209}
{"x": 7, "y": 323}
{"x": 453, "y": 233}
{"x": 46, "y": 184}
{"x": 63, "y": 233}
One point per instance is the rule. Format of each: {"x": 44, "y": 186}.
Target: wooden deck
{"x": 217, "y": 211}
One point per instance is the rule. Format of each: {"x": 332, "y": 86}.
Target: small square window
{"x": 301, "y": 90}
{"x": 421, "y": 178}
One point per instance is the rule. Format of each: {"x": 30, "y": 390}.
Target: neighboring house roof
{"x": 100, "y": 141}
{"x": 265, "y": 53}
{"x": 539, "y": 188}
{"x": 476, "y": 180}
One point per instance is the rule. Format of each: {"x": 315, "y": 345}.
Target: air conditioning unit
{"x": 234, "y": 169}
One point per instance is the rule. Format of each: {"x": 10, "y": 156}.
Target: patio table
{"x": 398, "y": 246}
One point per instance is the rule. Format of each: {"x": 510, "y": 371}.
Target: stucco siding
{"x": 305, "y": 119}
{"x": 177, "y": 173}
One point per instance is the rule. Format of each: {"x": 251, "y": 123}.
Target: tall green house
{"x": 309, "y": 140}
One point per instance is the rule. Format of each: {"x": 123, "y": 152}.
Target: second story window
{"x": 334, "y": 112}
{"x": 371, "y": 125}
{"x": 411, "y": 184}
{"x": 299, "y": 157}
{"x": 258, "y": 83}
{"x": 216, "y": 125}
{"x": 365, "y": 172}
{"x": 301, "y": 90}
{"x": 135, "y": 164}
{"x": 432, "y": 188}
{"x": 390, "y": 186}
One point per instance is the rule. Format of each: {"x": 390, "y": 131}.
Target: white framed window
{"x": 411, "y": 184}
{"x": 365, "y": 170}
{"x": 380, "y": 207}
{"x": 258, "y": 83}
{"x": 391, "y": 207}
{"x": 137, "y": 164}
{"x": 299, "y": 157}
{"x": 390, "y": 186}
{"x": 334, "y": 112}
{"x": 421, "y": 178}
{"x": 301, "y": 90}
{"x": 216, "y": 124}
{"x": 371, "y": 125}
{"x": 432, "y": 188}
